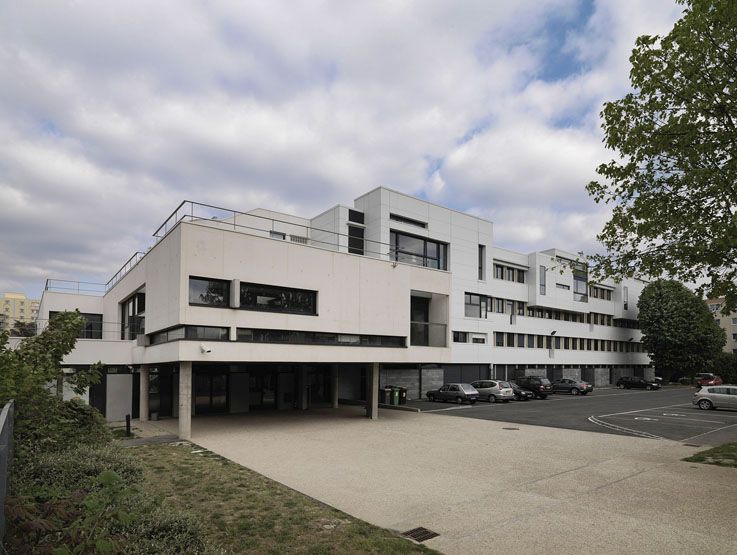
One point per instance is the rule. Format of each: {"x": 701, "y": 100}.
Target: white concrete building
{"x": 235, "y": 311}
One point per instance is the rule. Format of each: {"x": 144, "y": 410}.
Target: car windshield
{"x": 468, "y": 388}
{"x": 545, "y": 381}
{"x": 504, "y": 384}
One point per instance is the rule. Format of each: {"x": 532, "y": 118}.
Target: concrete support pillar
{"x": 372, "y": 391}
{"x": 302, "y": 398}
{"x": 334, "y": 385}
{"x": 143, "y": 396}
{"x": 185, "y": 400}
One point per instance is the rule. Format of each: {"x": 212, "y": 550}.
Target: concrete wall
{"x": 402, "y": 377}
{"x": 432, "y": 378}
{"x": 119, "y": 397}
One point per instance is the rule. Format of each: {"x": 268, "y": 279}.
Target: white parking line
{"x": 709, "y": 432}
{"x": 681, "y": 418}
{"x": 643, "y": 410}
{"x": 595, "y": 420}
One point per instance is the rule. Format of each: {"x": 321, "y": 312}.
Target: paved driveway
{"x": 488, "y": 489}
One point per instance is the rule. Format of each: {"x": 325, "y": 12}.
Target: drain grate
{"x": 510, "y": 429}
{"x": 691, "y": 445}
{"x": 420, "y": 534}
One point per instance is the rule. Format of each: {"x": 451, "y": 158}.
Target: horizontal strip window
{"x": 271, "y": 298}
{"x": 418, "y": 250}
{"x": 210, "y": 333}
{"x": 209, "y": 292}
{"x": 92, "y": 328}
{"x": 292, "y": 337}
{"x": 406, "y": 220}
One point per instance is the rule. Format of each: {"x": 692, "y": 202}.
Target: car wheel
{"x": 649, "y": 388}
{"x": 431, "y": 398}
{"x": 574, "y": 391}
{"x": 491, "y": 398}
{"x": 459, "y": 400}
{"x": 621, "y": 386}
{"x": 705, "y": 404}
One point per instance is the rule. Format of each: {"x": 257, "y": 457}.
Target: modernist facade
{"x": 16, "y": 307}
{"x": 727, "y": 322}
{"x": 238, "y": 311}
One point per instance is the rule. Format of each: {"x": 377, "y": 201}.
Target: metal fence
{"x": 6, "y": 457}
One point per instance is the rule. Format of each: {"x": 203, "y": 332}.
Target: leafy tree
{"x": 674, "y": 184}
{"x": 679, "y": 331}
{"x": 23, "y": 329}
{"x": 725, "y": 365}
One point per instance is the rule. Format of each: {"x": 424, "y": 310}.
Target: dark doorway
{"x": 262, "y": 388}
{"x": 211, "y": 392}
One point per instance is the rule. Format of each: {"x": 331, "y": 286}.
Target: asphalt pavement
{"x": 667, "y": 413}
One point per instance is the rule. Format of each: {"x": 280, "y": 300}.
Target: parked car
{"x": 493, "y": 390}
{"x": 521, "y": 394}
{"x": 716, "y": 397}
{"x": 574, "y": 387}
{"x": 706, "y": 378}
{"x": 458, "y": 392}
{"x": 628, "y": 382}
{"x": 540, "y": 387}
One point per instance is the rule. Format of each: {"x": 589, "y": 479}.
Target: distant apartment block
{"x": 728, "y": 323}
{"x": 234, "y": 311}
{"x": 16, "y": 307}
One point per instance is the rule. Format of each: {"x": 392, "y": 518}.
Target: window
{"x": 418, "y": 251}
{"x": 355, "y": 216}
{"x": 252, "y": 335}
{"x": 132, "y": 321}
{"x": 209, "y": 292}
{"x": 530, "y": 341}
{"x": 209, "y": 333}
{"x": 355, "y": 239}
{"x": 734, "y": 321}
{"x": 476, "y": 305}
{"x": 460, "y": 337}
{"x": 406, "y": 220}
{"x": 498, "y": 271}
{"x": 557, "y": 342}
{"x": 277, "y": 235}
{"x": 520, "y": 276}
{"x": 92, "y": 328}
{"x": 574, "y": 343}
{"x": 510, "y": 274}
{"x": 509, "y": 308}
{"x": 482, "y": 262}
{"x": 270, "y": 298}
{"x": 520, "y": 308}
{"x": 563, "y": 286}
{"x": 478, "y": 338}
{"x": 540, "y": 340}
{"x": 625, "y": 297}
{"x": 510, "y": 340}
{"x": 499, "y": 306}
{"x": 520, "y": 340}
{"x": 542, "y": 280}
{"x": 566, "y": 343}
{"x": 499, "y": 338}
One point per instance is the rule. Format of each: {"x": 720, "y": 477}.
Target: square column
{"x": 185, "y": 400}
{"x": 372, "y": 391}
{"x": 143, "y": 394}
{"x": 334, "y": 385}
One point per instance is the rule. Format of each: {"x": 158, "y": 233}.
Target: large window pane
{"x": 410, "y": 244}
{"x": 210, "y": 292}
{"x": 277, "y": 299}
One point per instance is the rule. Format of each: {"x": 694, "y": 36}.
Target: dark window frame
{"x": 226, "y": 295}
{"x": 277, "y": 290}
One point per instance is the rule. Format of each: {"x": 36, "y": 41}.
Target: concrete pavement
{"x": 485, "y": 489}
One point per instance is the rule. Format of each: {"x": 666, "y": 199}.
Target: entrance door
{"x": 210, "y": 392}
{"x": 262, "y": 389}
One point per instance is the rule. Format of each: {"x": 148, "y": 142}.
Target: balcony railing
{"x": 426, "y": 334}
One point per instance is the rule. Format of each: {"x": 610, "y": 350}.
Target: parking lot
{"x": 667, "y": 413}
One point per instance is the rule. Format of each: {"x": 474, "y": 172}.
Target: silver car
{"x": 493, "y": 390}
{"x": 456, "y": 392}
{"x": 716, "y": 397}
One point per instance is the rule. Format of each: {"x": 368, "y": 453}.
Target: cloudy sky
{"x": 111, "y": 113}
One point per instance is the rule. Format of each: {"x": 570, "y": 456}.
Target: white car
{"x": 716, "y": 397}
{"x": 493, "y": 390}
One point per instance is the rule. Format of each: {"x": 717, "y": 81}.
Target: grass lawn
{"x": 724, "y": 455}
{"x": 244, "y": 511}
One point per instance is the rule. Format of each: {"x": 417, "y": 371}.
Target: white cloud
{"x": 112, "y": 114}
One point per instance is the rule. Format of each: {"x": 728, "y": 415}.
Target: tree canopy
{"x": 679, "y": 331}
{"x": 673, "y": 185}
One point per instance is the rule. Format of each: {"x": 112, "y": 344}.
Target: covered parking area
{"x": 185, "y": 390}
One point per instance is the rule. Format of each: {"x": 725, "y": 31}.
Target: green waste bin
{"x": 395, "y": 395}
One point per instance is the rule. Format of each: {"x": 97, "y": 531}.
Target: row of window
{"x": 92, "y": 328}
{"x": 292, "y": 337}
{"x": 530, "y": 341}
{"x": 509, "y": 274}
{"x": 600, "y": 293}
{"x": 253, "y": 296}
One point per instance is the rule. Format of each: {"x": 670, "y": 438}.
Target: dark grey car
{"x": 574, "y": 387}
{"x": 456, "y": 392}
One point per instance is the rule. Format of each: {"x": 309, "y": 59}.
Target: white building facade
{"x": 232, "y": 311}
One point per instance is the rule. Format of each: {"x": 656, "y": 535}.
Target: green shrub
{"x": 165, "y": 532}
{"x": 56, "y": 475}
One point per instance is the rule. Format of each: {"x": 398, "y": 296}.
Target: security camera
{"x": 205, "y": 349}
